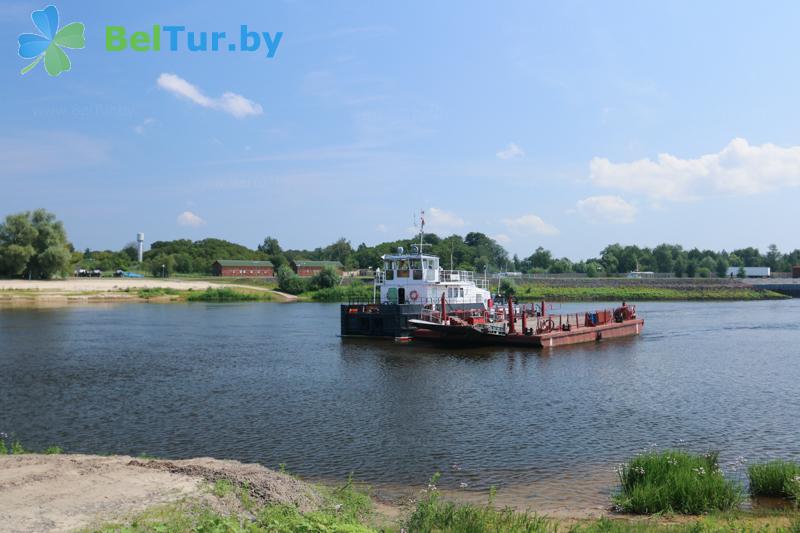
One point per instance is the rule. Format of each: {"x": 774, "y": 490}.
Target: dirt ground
{"x": 54, "y": 493}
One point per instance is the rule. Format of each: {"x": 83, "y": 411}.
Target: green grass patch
{"x": 539, "y": 292}
{"x": 341, "y": 293}
{"x": 673, "y": 481}
{"x": 225, "y": 294}
{"x": 775, "y": 478}
{"x": 156, "y": 292}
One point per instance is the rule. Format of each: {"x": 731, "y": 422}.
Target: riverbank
{"x": 65, "y": 492}
{"x": 658, "y": 289}
{"x": 155, "y": 290}
{"x": 118, "y": 290}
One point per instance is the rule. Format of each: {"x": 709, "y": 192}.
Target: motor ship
{"x": 408, "y": 284}
{"x": 414, "y": 298}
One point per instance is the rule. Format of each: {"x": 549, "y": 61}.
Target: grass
{"x": 673, "y": 481}
{"x": 539, "y": 292}
{"x": 341, "y": 293}
{"x": 16, "y": 447}
{"x": 778, "y": 478}
{"x": 345, "y": 510}
{"x": 435, "y": 515}
{"x": 156, "y": 292}
{"x": 225, "y": 294}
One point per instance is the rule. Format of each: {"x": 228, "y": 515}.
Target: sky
{"x": 568, "y": 125}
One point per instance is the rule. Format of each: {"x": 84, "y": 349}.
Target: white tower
{"x": 140, "y": 242}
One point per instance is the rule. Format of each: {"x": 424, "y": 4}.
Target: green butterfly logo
{"x": 49, "y": 43}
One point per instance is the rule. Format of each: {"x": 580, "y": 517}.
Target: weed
{"x": 775, "y": 478}
{"x": 673, "y": 481}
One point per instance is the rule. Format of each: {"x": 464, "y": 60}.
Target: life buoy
{"x": 413, "y": 295}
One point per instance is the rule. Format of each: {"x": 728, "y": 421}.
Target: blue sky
{"x": 568, "y": 125}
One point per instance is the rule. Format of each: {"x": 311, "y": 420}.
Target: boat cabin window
{"x": 389, "y": 274}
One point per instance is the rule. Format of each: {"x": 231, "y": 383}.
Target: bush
{"x": 675, "y": 482}
{"x": 775, "y": 478}
{"x": 324, "y": 279}
{"x": 290, "y": 282}
{"x": 507, "y": 288}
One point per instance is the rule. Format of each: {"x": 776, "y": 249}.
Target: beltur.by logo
{"x": 50, "y": 43}
{"x": 176, "y": 38}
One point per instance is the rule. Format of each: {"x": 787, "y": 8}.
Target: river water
{"x": 274, "y": 384}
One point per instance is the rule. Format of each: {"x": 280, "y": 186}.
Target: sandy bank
{"x": 76, "y": 290}
{"x": 66, "y": 492}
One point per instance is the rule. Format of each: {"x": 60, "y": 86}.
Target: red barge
{"x": 525, "y": 326}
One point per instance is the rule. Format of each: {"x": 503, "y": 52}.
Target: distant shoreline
{"x": 16, "y": 292}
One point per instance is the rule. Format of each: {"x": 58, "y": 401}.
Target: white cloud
{"x": 231, "y": 103}
{"x": 530, "y": 224}
{"x": 502, "y": 238}
{"x": 187, "y": 218}
{"x": 607, "y": 209}
{"x": 438, "y": 219}
{"x": 739, "y": 168}
{"x": 141, "y": 128}
{"x": 512, "y": 151}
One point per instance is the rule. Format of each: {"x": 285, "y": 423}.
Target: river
{"x": 274, "y": 384}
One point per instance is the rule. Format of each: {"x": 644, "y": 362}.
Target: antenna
{"x": 421, "y": 228}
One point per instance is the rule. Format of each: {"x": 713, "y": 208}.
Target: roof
{"x": 237, "y": 263}
{"x": 304, "y": 263}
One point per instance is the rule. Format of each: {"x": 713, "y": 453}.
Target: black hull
{"x": 385, "y": 320}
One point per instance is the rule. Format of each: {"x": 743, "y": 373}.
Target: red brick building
{"x": 309, "y": 268}
{"x": 243, "y": 269}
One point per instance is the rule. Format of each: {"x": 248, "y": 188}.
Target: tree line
{"x": 34, "y": 244}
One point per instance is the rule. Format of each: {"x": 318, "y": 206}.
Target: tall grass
{"x": 436, "y": 515}
{"x": 225, "y": 294}
{"x": 775, "y": 478}
{"x": 155, "y": 292}
{"x": 675, "y": 482}
{"x": 343, "y": 293}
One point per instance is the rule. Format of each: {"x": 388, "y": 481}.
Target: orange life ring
{"x": 413, "y": 295}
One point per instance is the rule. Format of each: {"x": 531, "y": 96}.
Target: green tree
{"x": 691, "y": 268}
{"x": 721, "y": 267}
{"x": 541, "y": 258}
{"x": 290, "y": 282}
{"x": 270, "y": 246}
{"x": 34, "y": 243}
{"x": 324, "y": 279}
{"x": 560, "y": 266}
{"x": 507, "y": 288}
{"x": 592, "y": 268}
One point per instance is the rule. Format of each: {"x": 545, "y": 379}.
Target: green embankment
{"x": 640, "y": 293}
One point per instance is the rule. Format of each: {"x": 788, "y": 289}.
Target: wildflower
{"x": 3, "y": 436}
{"x": 700, "y": 471}
{"x": 48, "y": 44}
{"x": 639, "y": 470}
